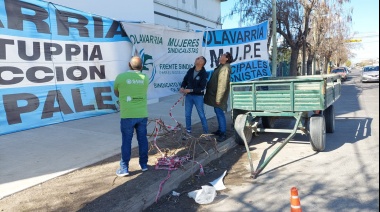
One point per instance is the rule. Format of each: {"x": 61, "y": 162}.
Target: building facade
{"x": 185, "y": 15}
{"x": 188, "y": 14}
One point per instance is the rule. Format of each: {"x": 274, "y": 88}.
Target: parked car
{"x": 370, "y": 74}
{"x": 341, "y": 71}
{"x": 348, "y": 70}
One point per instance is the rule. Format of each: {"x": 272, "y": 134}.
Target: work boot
{"x": 216, "y": 132}
{"x": 222, "y": 137}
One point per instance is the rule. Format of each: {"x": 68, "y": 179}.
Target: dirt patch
{"x": 96, "y": 187}
{"x": 234, "y": 161}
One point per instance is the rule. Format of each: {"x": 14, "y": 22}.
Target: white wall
{"x": 188, "y": 14}
{"x": 179, "y": 14}
{"x": 122, "y": 10}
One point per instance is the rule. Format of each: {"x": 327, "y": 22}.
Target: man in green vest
{"x": 131, "y": 87}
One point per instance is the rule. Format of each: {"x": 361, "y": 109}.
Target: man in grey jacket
{"x": 193, "y": 85}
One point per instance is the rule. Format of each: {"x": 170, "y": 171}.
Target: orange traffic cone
{"x": 295, "y": 204}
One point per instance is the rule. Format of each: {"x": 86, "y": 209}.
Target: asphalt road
{"x": 344, "y": 177}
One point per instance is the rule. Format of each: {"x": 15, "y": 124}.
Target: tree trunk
{"x": 309, "y": 65}
{"x": 339, "y": 62}
{"x": 327, "y": 65}
{"x": 293, "y": 61}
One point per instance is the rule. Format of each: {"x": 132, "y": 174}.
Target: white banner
{"x": 167, "y": 54}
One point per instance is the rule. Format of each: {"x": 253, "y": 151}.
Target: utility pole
{"x": 303, "y": 55}
{"x": 274, "y": 39}
{"x": 303, "y": 71}
{"x": 315, "y": 24}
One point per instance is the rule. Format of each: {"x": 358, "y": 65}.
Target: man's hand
{"x": 185, "y": 91}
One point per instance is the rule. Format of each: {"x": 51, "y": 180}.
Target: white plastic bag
{"x": 203, "y": 196}
{"x": 218, "y": 183}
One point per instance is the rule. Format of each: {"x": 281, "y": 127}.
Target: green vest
{"x": 133, "y": 88}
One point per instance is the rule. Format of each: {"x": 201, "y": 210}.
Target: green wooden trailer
{"x": 309, "y": 99}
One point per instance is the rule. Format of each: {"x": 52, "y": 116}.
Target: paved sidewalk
{"x": 30, "y": 157}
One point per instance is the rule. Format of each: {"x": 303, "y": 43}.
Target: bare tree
{"x": 293, "y": 22}
{"x": 334, "y": 34}
{"x": 315, "y": 41}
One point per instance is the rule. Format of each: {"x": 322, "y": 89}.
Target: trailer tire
{"x": 317, "y": 132}
{"x": 236, "y": 112}
{"x": 330, "y": 119}
{"x": 247, "y": 121}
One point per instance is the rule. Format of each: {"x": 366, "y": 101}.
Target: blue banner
{"x": 56, "y": 64}
{"x": 248, "y": 47}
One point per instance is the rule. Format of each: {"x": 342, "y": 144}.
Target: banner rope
{"x": 159, "y": 122}
{"x": 171, "y": 163}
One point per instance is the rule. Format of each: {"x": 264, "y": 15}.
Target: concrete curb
{"x": 146, "y": 197}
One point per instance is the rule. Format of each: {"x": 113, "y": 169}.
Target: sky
{"x": 365, "y": 26}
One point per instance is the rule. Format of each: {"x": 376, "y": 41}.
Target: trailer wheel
{"x": 317, "y": 132}
{"x": 235, "y": 113}
{"x": 330, "y": 119}
{"x": 243, "y": 124}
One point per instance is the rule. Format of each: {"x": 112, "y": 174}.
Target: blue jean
{"x": 127, "y": 126}
{"x": 221, "y": 119}
{"x": 196, "y": 100}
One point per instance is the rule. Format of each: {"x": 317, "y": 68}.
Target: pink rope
{"x": 155, "y": 137}
{"x": 170, "y": 164}
{"x": 170, "y": 111}
{"x": 201, "y": 171}
{"x": 161, "y": 186}
{"x": 173, "y": 162}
